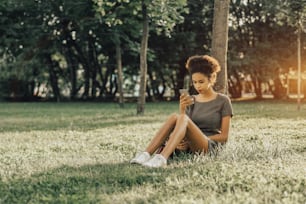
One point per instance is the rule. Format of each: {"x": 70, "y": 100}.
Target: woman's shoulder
{"x": 223, "y": 97}
{"x": 226, "y": 103}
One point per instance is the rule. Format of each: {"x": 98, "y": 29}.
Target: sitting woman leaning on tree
{"x": 203, "y": 122}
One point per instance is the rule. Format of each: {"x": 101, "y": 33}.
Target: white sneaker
{"x": 157, "y": 161}
{"x": 141, "y": 158}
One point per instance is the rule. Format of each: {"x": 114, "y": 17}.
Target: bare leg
{"x": 198, "y": 142}
{"x": 185, "y": 127}
{"x": 162, "y": 135}
{"x": 176, "y": 136}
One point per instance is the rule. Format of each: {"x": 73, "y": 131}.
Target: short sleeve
{"x": 227, "y": 109}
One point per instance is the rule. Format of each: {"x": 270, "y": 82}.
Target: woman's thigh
{"x": 198, "y": 142}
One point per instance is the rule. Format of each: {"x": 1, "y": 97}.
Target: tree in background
{"x": 261, "y": 43}
{"x": 219, "y": 41}
{"x": 118, "y": 16}
{"x": 62, "y": 49}
{"x": 164, "y": 15}
{"x": 18, "y": 74}
{"x": 167, "y": 69}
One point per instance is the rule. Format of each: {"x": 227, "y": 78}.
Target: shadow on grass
{"x": 83, "y": 124}
{"x": 79, "y": 184}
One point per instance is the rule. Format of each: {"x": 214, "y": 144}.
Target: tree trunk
{"x": 87, "y": 82}
{"x": 53, "y": 79}
{"x": 73, "y": 80}
{"x": 238, "y": 85}
{"x": 105, "y": 79}
{"x": 256, "y": 80}
{"x": 120, "y": 72}
{"x": 219, "y": 42}
{"x": 143, "y": 62}
{"x": 235, "y": 87}
{"x": 72, "y": 72}
{"x": 95, "y": 66}
{"x": 83, "y": 60}
{"x": 162, "y": 93}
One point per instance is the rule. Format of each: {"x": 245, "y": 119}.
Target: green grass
{"x": 79, "y": 153}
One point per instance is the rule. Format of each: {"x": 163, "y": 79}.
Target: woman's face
{"x": 201, "y": 82}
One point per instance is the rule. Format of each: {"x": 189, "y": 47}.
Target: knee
{"x": 173, "y": 117}
{"x": 183, "y": 117}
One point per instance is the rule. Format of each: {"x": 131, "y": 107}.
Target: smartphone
{"x": 184, "y": 91}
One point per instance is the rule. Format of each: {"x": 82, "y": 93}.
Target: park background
{"x": 90, "y": 50}
{"x": 67, "y": 135}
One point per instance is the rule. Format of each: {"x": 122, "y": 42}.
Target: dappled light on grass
{"x": 63, "y": 160}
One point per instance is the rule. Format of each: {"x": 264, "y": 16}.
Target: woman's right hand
{"x": 185, "y": 100}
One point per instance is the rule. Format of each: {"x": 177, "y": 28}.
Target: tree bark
{"x": 94, "y": 64}
{"x": 72, "y": 71}
{"x": 235, "y": 87}
{"x": 143, "y": 62}
{"x": 219, "y": 42}
{"x": 256, "y": 80}
{"x": 120, "y": 72}
{"x": 53, "y": 79}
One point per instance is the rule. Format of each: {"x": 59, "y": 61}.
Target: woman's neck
{"x": 207, "y": 96}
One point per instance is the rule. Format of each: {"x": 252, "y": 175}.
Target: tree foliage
{"x": 67, "y": 48}
{"x": 262, "y": 40}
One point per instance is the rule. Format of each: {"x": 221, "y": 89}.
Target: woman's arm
{"x": 225, "y": 126}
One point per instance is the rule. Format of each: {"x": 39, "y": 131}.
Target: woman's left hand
{"x": 183, "y": 145}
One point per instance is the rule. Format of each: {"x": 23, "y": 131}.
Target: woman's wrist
{"x": 182, "y": 110}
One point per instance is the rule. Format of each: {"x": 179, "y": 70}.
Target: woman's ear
{"x": 213, "y": 78}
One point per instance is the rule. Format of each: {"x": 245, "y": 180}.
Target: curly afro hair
{"x": 204, "y": 64}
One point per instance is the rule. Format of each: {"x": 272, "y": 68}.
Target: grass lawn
{"x": 80, "y": 152}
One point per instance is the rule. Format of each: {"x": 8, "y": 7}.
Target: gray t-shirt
{"x": 208, "y": 115}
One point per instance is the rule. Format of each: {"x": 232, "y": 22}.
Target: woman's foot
{"x": 157, "y": 161}
{"x": 141, "y": 158}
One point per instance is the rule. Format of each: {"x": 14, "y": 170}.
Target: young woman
{"x": 203, "y": 122}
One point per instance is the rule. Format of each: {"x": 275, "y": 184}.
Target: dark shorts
{"x": 213, "y": 147}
